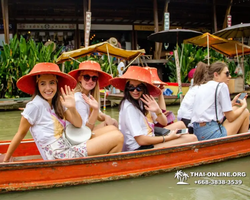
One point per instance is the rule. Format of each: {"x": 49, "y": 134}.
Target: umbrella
{"x": 103, "y": 48}
{"x": 206, "y": 40}
{"x": 232, "y": 48}
{"x": 236, "y": 31}
{"x": 175, "y": 36}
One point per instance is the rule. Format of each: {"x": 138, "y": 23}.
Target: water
{"x": 157, "y": 187}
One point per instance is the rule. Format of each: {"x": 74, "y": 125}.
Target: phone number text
{"x": 218, "y": 182}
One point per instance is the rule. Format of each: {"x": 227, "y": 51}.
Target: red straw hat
{"x": 139, "y": 74}
{"x": 27, "y": 83}
{"x": 92, "y": 66}
{"x": 154, "y": 76}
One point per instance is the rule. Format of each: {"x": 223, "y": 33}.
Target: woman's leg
{"x": 185, "y": 138}
{"x": 240, "y": 125}
{"x": 176, "y": 125}
{"x": 111, "y": 142}
{"x": 103, "y": 130}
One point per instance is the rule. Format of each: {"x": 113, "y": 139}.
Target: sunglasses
{"x": 87, "y": 77}
{"x": 227, "y": 73}
{"x": 132, "y": 88}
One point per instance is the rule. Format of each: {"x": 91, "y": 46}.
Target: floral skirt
{"x": 62, "y": 149}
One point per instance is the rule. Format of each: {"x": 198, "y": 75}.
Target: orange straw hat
{"x": 139, "y": 74}
{"x": 92, "y": 66}
{"x": 154, "y": 76}
{"x": 27, "y": 83}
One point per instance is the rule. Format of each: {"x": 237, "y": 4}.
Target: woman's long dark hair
{"x": 55, "y": 102}
{"x": 134, "y": 101}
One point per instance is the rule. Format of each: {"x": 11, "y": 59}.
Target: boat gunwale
{"x": 121, "y": 155}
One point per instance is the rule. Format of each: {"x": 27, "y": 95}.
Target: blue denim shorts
{"x": 210, "y": 131}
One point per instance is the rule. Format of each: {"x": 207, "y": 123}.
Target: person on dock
{"x": 139, "y": 111}
{"x": 161, "y": 100}
{"x": 214, "y": 114}
{"x": 186, "y": 107}
{"x": 90, "y": 78}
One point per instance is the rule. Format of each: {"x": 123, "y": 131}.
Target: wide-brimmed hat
{"x": 154, "y": 76}
{"x": 103, "y": 77}
{"x": 27, "y": 83}
{"x": 139, "y": 74}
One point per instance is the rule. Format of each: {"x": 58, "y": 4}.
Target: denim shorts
{"x": 210, "y": 131}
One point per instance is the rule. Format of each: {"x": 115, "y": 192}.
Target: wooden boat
{"x": 28, "y": 171}
{"x": 13, "y": 104}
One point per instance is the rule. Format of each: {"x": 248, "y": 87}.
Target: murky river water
{"x": 157, "y": 187}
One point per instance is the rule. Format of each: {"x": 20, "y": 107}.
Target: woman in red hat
{"x": 139, "y": 111}
{"x": 45, "y": 113}
{"x": 90, "y": 78}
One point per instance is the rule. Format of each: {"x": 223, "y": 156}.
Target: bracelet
{"x": 163, "y": 139}
{"x": 158, "y": 114}
{"x": 90, "y": 123}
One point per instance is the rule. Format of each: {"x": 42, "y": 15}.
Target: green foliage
{"x": 247, "y": 69}
{"x": 191, "y": 56}
{"x": 17, "y": 59}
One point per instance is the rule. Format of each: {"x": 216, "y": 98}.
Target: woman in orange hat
{"x": 45, "y": 113}
{"x": 139, "y": 111}
{"x": 90, "y": 78}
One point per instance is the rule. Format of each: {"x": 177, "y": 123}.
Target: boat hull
{"x": 39, "y": 174}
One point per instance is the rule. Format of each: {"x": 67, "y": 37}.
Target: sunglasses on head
{"x": 87, "y": 77}
{"x": 227, "y": 73}
{"x": 132, "y": 88}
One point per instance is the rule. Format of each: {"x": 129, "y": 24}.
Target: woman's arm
{"x": 68, "y": 101}
{"x": 108, "y": 120}
{"x": 21, "y": 133}
{"x": 95, "y": 110}
{"x": 235, "y": 113}
{"x": 161, "y": 100}
{"x": 148, "y": 140}
{"x": 151, "y": 105}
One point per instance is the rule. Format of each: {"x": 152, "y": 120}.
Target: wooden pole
{"x": 156, "y": 55}
{"x": 215, "y": 16}
{"x": 208, "y": 59}
{"x": 5, "y": 12}
{"x": 163, "y": 21}
{"x": 84, "y": 19}
{"x": 89, "y": 6}
{"x": 227, "y": 13}
{"x": 178, "y": 72}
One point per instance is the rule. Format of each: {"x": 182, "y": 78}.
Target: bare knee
{"x": 190, "y": 138}
{"x": 118, "y": 135}
{"x": 246, "y": 112}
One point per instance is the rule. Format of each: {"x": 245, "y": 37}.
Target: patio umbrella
{"x": 206, "y": 40}
{"x": 232, "y": 48}
{"x": 103, "y": 48}
{"x": 236, "y": 31}
{"x": 175, "y": 36}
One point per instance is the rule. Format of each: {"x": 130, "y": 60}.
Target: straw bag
{"x": 77, "y": 135}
